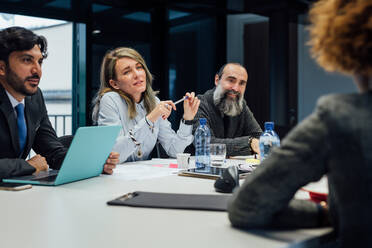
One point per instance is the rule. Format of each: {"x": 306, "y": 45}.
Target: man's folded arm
{"x": 10, "y": 167}
{"x": 234, "y": 146}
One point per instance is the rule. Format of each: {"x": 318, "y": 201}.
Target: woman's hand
{"x": 163, "y": 109}
{"x": 190, "y": 106}
{"x": 111, "y": 162}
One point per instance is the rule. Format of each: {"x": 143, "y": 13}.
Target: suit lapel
{"x": 8, "y": 112}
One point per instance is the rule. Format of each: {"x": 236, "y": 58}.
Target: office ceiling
{"x": 84, "y": 10}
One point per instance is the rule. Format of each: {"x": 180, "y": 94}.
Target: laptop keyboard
{"x": 48, "y": 176}
{"x": 46, "y": 179}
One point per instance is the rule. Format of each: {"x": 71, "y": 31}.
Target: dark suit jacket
{"x": 41, "y": 136}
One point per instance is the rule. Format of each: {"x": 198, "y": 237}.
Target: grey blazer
{"x": 336, "y": 140}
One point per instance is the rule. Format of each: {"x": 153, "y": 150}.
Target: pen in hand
{"x": 177, "y": 102}
{"x": 181, "y": 100}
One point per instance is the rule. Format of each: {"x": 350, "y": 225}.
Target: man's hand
{"x": 111, "y": 162}
{"x": 255, "y": 146}
{"x": 39, "y": 163}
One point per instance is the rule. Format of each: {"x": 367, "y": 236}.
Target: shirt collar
{"x": 14, "y": 101}
{"x": 141, "y": 104}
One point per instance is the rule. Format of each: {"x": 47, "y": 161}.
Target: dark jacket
{"x": 240, "y": 127}
{"x": 41, "y": 136}
{"x": 336, "y": 140}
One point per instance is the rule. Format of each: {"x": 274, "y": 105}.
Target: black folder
{"x": 173, "y": 201}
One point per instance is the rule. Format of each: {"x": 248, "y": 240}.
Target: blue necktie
{"x": 21, "y": 123}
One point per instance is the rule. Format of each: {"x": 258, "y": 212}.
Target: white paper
{"x": 146, "y": 169}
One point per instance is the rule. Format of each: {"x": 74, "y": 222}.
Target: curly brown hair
{"x": 341, "y": 35}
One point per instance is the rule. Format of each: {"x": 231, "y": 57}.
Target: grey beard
{"x": 229, "y": 107}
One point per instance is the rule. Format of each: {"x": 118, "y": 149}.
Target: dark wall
{"x": 270, "y": 56}
{"x": 256, "y": 61}
{"x": 192, "y": 60}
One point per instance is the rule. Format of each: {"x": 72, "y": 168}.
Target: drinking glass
{"x": 218, "y": 154}
{"x": 183, "y": 160}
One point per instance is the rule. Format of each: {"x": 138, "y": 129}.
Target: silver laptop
{"x": 85, "y": 158}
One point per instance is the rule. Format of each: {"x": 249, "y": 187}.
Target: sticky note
{"x": 173, "y": 165}
{"x": 252, "y": 161}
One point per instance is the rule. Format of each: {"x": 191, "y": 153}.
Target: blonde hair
{"x": 108, "y": 72}
{"x": 341, "y": 35}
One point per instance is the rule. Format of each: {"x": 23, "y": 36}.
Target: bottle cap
{"x": 202, "y": 121}
{"x": 269, "y": 125}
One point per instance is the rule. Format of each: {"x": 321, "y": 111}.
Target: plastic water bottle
{"x": 268, "y": 140}
{"x": 202, "y": 145}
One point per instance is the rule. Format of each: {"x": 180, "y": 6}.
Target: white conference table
{"x": 76, "y": 215}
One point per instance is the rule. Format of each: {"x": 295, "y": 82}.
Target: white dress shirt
{"x": 14, "y": 102}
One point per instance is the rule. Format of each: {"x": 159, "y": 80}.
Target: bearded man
{"x": 228, "y": 117}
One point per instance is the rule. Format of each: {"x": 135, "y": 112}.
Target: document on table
{"x": 146, "y": 169}
{"x": 320, "y": 187}
{"x": 242, "y": 157}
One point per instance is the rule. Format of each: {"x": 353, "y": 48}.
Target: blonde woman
{"x": 336, "y": 140}
{"x": 126, "y": 98}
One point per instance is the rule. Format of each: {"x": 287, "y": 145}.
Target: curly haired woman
{"x": 336, "y": 140}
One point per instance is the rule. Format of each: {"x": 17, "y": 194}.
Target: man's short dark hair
{"x": 220, "y": 71}
{"x": 20, "y": 39}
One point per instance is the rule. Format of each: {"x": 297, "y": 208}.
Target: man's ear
{"x": 216, "y": 79}
{"x": 114, "y": 84}
{"x": 2, "y": 68}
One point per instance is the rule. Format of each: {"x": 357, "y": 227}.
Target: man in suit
{"x": 24, "y": 122}
{"x": 228, "y": 117}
